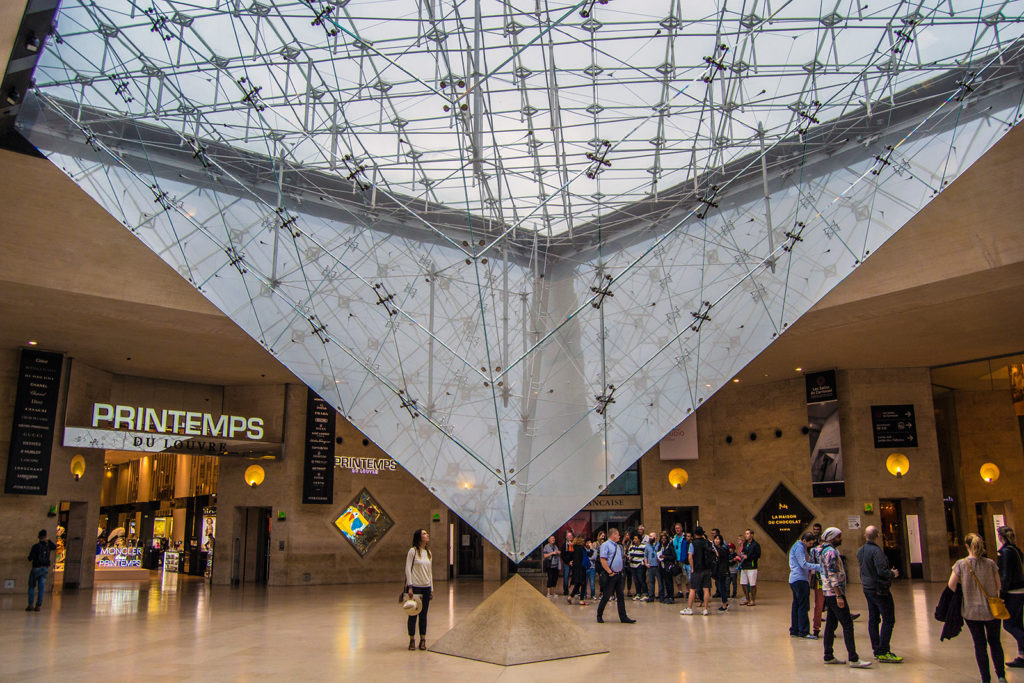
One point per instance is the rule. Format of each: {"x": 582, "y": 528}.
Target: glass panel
{"x": 517, "y": 248}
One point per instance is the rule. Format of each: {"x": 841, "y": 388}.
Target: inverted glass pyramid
{"x": 517, "y": 246}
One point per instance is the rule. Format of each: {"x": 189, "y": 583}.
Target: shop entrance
{"x": 891, "y": 519}
{"x": 470, "y": 554}
{"x": 72, "y": 531}
{"x": 251, "y": 550}
{"x": 685, "y": 515}
{"x": 990, "y": 516}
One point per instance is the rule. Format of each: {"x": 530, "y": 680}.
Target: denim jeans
{"x": 591, "y": 574}
{"x": 654, "y": 578}
{"x": 880, "y": 607}
{"x": 640, "y": 580}
{"x": 37, "y": 577}
{"x": 799, "y": 623}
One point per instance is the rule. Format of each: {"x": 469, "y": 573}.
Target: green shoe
{"x": 889, "y": 658}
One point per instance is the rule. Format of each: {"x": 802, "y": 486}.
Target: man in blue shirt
{"x": 612, "y": 561}
{"x": 682, "y": 549}
{"x": 799, "y": 583}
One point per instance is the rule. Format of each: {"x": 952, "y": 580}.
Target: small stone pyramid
{"x": 517, "y": 624}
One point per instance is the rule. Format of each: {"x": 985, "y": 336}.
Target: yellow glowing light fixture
{"x": 78, "y": 466}
{"x": 254, "y": 475}
{"x": 678, "y": 477}
{"x": 897, "y": 464}
{"x": 989, "y": 472}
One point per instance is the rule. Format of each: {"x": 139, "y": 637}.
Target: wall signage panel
{"x": 827, "y": 478}
{"x": 35, "y": 415}
{"x": 894, "y": 426}
{"x": 318, "y": 465}
{"x": 784, "y": 517}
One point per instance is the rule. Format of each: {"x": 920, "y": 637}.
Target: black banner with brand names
{"x": 318, "y": 467}
{"x": 35, "y": 415}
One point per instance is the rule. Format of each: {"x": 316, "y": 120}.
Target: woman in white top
{"x": 979, "y": 578}
{"x": 419, "y": 578}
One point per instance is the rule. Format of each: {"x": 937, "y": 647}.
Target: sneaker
{"x": 835, "y": 661}
{"x": 705, "y": 612}
{"x": 743, "y": 601}
{"x": 686, "y": 611}
{"x": 1017, "y": 663}
{"x": 889, "y": 658}
{"x": 808, "y": 636}
{"x": 860, "y": 664}
{"x": 36, "y": 608}
{"x": 29, "y": 608}
{"x": 583, "y": 602}
{"x": 723, "y": 608}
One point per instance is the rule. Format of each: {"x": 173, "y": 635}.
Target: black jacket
{"x": 1011, "y": 573}
{"x": 875, "y": 572}
{"x": 948, "y": 612}
{"x": 39, "y": 555}
{"x": 752, "y": 550}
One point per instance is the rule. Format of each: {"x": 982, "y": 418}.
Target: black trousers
{"x": 880, "y": 607}
{"x": 1015, "y": 624}
{"x": 839, "y": 615}
{"x": 613, "y": 584}
{"x": 424, "y": 594}
{"x": 722, "y": 583}
{"x": 986, "y": 637}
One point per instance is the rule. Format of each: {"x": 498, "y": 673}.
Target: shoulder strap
{"x": 983, "y": 591}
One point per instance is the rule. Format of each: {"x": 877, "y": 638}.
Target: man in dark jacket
{"x": 39, "y": 556}
{"x": 749, "y": 556}
{"x": 876, "y": 577}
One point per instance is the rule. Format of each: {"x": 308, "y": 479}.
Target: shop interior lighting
{"x": 644, "y": 198}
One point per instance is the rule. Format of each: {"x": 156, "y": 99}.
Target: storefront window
{"x": 626, "y": 484}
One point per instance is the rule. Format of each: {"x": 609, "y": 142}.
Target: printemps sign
{"x": 154, "y": 430}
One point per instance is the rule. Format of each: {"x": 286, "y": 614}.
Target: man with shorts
{"x": 749, "y": 556}
{"x": 702, "y": 567}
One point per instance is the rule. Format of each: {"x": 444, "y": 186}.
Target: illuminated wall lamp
{"x": 678, "y": 477}
{"x": 254, "y": 475}
{"x": 897, "y": 464}
{"x": 78, "y": 467}
{"x": 989, "y": 472}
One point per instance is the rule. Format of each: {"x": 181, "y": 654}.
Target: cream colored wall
{"x": 989, "y": 432}
{"x": 311, "y": 543}
{"x": 23, "y": 516}
{"x": 730, "y": 483}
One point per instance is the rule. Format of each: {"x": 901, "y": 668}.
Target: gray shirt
{"x": 555, "y": 560}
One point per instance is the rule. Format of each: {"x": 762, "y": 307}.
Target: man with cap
{"x": 833, "y": 579}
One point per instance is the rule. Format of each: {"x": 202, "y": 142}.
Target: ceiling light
{"x": 736, "y": 381}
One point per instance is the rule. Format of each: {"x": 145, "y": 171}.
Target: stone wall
{"x": 311, "y": 544}
{"x": 730, "y": 482}
{"x": 23, "y": 516}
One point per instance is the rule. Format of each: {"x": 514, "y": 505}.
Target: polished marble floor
{"x": 184, "y": 629}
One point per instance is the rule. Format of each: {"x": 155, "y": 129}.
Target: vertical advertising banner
{"x": 826, "y": 444}
{"x": 318, "y": 466}
{"x": 35, "y": 415}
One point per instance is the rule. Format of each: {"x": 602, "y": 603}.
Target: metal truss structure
{"x": 516, "y": 243}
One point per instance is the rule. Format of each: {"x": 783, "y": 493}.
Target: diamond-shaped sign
{"x": 514, "y": 307}
{"x": 363, "y": 522}
{"x": 783, "y": 517}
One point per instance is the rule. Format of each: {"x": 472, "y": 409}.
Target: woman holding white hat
{"x": 419, "y": 581}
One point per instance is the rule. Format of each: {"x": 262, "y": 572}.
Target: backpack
{"x": 710, "y": 556}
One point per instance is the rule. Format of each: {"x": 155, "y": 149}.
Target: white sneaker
{"x": 861, "y": 664}
{"x": 705, "y": 612}
{"x": 686, "y": 611}
{"x": 835, "y": 661}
